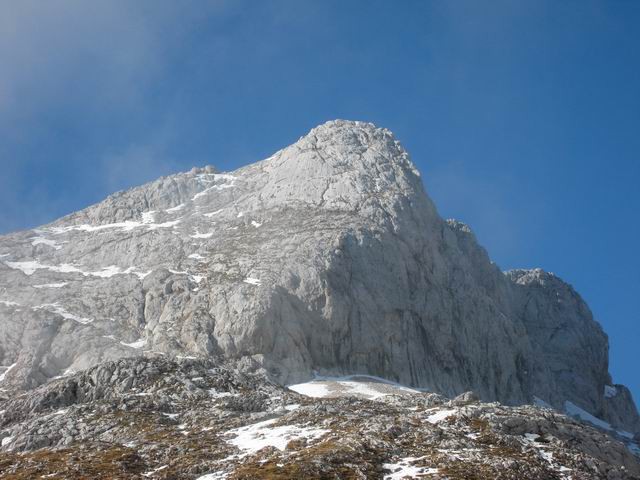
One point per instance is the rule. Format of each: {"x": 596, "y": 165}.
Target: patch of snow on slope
{"x": 7, "y": 303}
{"x": 252, "y": 281}
{"x": 45, "y": 241}
{"x": 6, "y": 441}
{"x": 211, "y": 214}
{"x": 202, "y": 235}
{"x": 125, "y": 226}
{"x": 575, "y": 411}
{"x": 534, "y": 440}
{"x": 214, "y": 476}
{"x": 107, "y": 272}
{"x": 364, "y": 386}
{"x": 610, "y": 391}
{"x": 155, "y": 226}
{"x": 148, "y": 217}
{"x": 228, "y": 181}
{"x": 152, "y": 472}
{"x": 310, "y": 389}
{"x": 440, "y": 416}
{"x": 196, "y": 256}
{"x": 59, "y": 310}
{"x": 256, "y": 224}
{"x": 192, "y": 277}
{"x": 253, "y": 438}
{"x": 51, "y": 285}
{"x": 404, "y": 468}
{"x": 137, "y": 344}
{"x": 8, "y": 369}
{"x": 30, "y": 266}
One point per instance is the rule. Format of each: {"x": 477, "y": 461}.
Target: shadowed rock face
{"x": 327, "y": 256}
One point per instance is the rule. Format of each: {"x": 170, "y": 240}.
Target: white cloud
{"x": 98, "y": 54}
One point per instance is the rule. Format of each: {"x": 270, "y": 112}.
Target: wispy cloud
{"x": 65, "y": 62}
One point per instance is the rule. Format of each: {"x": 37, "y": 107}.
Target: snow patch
{"x": 252, "y": 438}
{"x": 367, "y": 386}
{"x": 30, "y": 266}
{"x": 311, "y": 389}
{"x": 137, "y": 344}
{"x": 256, "y": 224}
{"x": 211, "y": 214}
{"x": 149, "y": 474}
{"x": 440, "y": 416}
{"x": 155, "y": 226}
{"x": 51, "y": 285}
{"x": 8, "y": 369}
{"x": 228, "y": 181}
{"x": 148, "y": 217}
{"x": 60, "y": 310}
{"x": 573, "y": 410}
{"x": 45, "y": 241}
{"x": 9, "y": 304}
{"x": 196, "y": 256}
{"x": 404, "y": 468}
{"x": 610, "y": 391}
{"x": 202, "y": 235}
{"x": 252, "y": 281}
{"x": 214, "y": 476}
{"x": 6, "y": 441}
{"x": 125, "y": 226}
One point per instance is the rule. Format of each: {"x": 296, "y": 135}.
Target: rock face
{"x": 327, "y": 256}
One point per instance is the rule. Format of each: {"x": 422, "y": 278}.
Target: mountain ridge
{"x": 326, "y": 256}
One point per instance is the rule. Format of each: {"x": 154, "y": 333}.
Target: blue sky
{"x": 522, "y": 115}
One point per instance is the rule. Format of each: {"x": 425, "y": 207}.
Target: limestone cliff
{"x": 328, "y": 256}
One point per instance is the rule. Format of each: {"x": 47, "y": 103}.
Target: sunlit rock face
{"x": 326, "y": 257}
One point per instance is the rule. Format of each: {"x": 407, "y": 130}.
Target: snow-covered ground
{"x": 404, "y": 468}
{"x": 257, "y": 436}
{"x": 363, "y": 386}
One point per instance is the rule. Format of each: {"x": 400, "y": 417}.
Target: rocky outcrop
{"x": 197, "y": 419}
{"x": 327, "y": 256}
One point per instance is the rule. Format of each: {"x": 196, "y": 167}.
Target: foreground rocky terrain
{"x": 195, "y": 419}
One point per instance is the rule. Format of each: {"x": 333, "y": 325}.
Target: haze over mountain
{"x": 326, "y": 257}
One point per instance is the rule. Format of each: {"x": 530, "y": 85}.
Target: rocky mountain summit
{"x": 326, "y": 257}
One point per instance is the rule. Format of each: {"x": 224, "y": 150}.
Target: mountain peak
{"x": 349, "y": 136}
{"x": 328, "y": 256}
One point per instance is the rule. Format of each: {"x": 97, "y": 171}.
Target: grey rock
{"x": 181, "y": 420}
{"x": 328, "y": 256}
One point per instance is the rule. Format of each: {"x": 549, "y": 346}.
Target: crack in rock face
{"x": 325, "y": 260}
